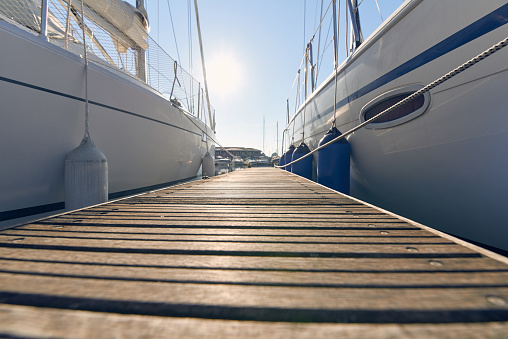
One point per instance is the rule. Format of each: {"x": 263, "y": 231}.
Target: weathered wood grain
{"x": 82, "y": 324}
{"x": 255, "y": 253}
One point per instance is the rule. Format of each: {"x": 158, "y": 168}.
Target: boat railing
{"x": 480, "y": 57}
{"x": 116, "y": 37}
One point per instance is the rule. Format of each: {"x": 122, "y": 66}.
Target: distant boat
{"x": 260, "y": 163}
{"x": 222, "y": 165}
{"x": 149, "y": 124}
{"x": 440, "y": 160}
{"x": 237, "y": 164}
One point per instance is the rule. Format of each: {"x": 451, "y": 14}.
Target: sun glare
{"x": 224, "y": 73}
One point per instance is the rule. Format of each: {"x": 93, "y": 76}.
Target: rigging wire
{"x": 304, "y": 16}
{"x": 503, "y": 43}
{"x": 213, "y": 138}
{"x": 379, "y": 10}
{"x": 174, "y": 34}
{"x": 347, "y": 31}
{"x": 299, "y": 93}
{"x": 319, "y": 40}
{"x": 297, "y": 75}
{"x": 315, "y": 16}
{"x": 203, "y": 65}
{"x": 323, "y": 18}
{"x": 326, "y": 47}
{"x": 189, "y": 10}
{"x": 187, "y": 96}
{"x": 305, "y": 98}
{"x": 189, "y": 34}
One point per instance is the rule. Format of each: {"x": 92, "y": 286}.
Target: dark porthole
{"x": 400, "y": 115}
{"x": 397, "y": 113}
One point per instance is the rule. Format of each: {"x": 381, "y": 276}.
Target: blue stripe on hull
{"x": 484, "y": 25}
{"x": 47, "y": 90}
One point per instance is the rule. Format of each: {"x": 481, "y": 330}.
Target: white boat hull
{"x": 445, "y": 168}
{"x": 148, "y": 142}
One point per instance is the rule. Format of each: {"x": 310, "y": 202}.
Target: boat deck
{"x": 254, "y": 253}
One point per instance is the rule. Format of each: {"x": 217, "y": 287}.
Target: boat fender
{"x": 86, "y": 176}
{"x": 333, "y": 162}
{"x": 303, "y": 167}
{"x": 281, "y": 160}
{"x": 208, "y": 164}
{"x": 288, "y": 157}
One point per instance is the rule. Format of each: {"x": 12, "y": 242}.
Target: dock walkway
{"x": 255, "y": 253}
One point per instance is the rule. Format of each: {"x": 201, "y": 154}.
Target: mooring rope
{"x": 427, "y": 88}
{"x": 87, "y": 132}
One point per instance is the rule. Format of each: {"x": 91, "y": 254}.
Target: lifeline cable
{"x": 427, "y": 88}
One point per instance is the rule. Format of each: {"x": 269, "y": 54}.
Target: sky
{"x": 252, "y": 51}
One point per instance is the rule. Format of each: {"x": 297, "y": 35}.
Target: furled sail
{"x": 127, "y": 25}
{"x": 131, "y": 23}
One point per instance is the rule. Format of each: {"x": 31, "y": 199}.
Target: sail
{"x": 132, "y": 25}
{"x": 128, "y": 26}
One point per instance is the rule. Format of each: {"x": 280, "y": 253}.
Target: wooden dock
{"x": 254, "y": 253}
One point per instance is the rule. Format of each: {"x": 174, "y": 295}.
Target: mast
{"x": 313, "y": 85}
{"x": 141, "y": 53}
{"x": 356, "y": 30}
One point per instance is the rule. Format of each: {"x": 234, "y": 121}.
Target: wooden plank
{"x": 353, "y": 223}
{"x": 82, "y": 324}
{"x": 232, "y": 237}
{"x": 378, "y": 279}
{"x": 311, "y": 264}
{"x": 345, "y": 249}
{"x": 255, "y": 231}
{"x": 260, "y": 250}
{"x": 254, "y": 302}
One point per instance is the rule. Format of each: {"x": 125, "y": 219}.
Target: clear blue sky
{"x": 253, "y": 51}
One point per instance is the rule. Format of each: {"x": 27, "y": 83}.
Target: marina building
{"x": 242, "y": 152}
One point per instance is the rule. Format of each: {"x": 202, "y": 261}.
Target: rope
{"x": 427, "y": 88}
{"x": 305, "y": 49}
{"x": 306, "y": 77}
{"x": 87, "y": 133}
{"x": 296, "y": 77}
{"x": 319, "y": 38}
{"x": 174, "y": 34}
{"x": 175, "y": 79}
{"x": 322, "y": 19}
{"x": 178, "y": 55}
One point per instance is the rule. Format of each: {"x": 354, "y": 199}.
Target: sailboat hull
{"x": 444, "y": 166}
{"x": 148, "y": 143}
